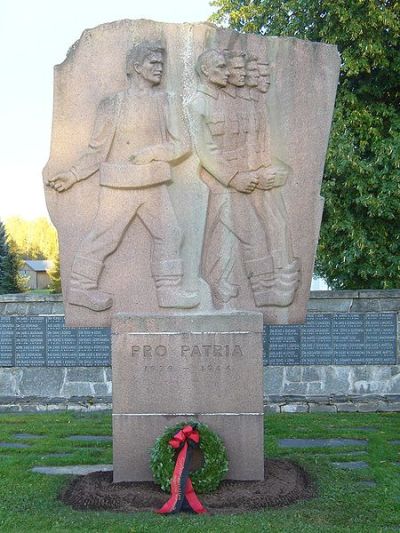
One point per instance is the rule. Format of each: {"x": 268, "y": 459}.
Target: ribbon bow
{"x": 183, "y": 496}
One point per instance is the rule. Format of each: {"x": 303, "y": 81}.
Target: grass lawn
{"x": 28, "y": 501}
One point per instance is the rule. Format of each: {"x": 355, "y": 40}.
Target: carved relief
{"x": 246, "y": 216}
{"x": 136, "y": 136}
{"x": 149, "y": 225}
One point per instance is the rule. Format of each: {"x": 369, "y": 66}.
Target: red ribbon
{"x": 183, "y": 495}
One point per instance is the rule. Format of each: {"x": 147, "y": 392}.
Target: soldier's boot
{"x": 168, "y": 276}
{"x": 263, "y": 290}
{"x": 282, "y": 291}
{"x": 291, "y": 272}
{"x": 83, "y": 289}
{"x": 223, "y": 291}
{"x": 288, "y": 278}
{"x": 268, "y": 289}
{"x": 276, "y": 298}
{"x": 261, "y": 277}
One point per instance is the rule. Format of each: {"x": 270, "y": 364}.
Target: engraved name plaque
{"x": 333, "y": 339}
{"x": 45, "y": 341}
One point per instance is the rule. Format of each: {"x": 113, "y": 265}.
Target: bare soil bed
{"x": 285, "y": 483}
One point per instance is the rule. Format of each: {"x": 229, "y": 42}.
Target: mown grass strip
{"x": 356, "y": 501}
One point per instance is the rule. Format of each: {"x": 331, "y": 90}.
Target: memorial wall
{"x": 325, "y": 339}
{"x": 347, "y": 351}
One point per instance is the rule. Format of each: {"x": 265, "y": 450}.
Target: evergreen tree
{"x": 10, "y": 280}
{"x": 360, "y": 239}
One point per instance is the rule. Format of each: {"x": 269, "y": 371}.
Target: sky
{"x": 34, "y": 36}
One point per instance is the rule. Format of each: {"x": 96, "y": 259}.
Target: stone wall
{"x": 31, "y": 304}
{"x": 287, "y": 388}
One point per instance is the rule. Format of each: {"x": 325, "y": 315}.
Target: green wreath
{"x": 205, "y": 479}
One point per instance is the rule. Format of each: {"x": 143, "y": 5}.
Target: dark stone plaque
{"x": 333, "y": 339}
{"x": 61, "y": 343}
{"x": 348, "y": 339}
{"x": 316, "y": 340}
{"x": 30, "y": 341}
{"x": 380, "y": 337}
{"x": 7, "y": 335}
{"x": 45, "y": 341}
{"x": 94, "y": 344}
{"x": 282, "y": 345}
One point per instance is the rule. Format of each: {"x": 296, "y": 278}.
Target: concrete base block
{"x": 175, "y": 368}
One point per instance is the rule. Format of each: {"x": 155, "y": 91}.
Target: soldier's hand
{"x": 281, "y": 176}
{"x": 142, "y": 157}
{"x": 244, "y": 182}
{"x": 266, "y": 181}
{"x": 63, "y": 181}
{"x": 271, "y": 177}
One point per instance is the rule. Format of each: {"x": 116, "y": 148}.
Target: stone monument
{"x": 184, "y": 179}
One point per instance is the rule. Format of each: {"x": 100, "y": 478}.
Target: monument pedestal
{"x": 176, "y": 368}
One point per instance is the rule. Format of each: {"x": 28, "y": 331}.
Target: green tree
{"x": 33, "y": 239}
{"x": 55, "y": 276}
{"x": 10, "y": 279}
{"x": 360, "y": 239}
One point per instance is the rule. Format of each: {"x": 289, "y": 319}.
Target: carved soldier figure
{"x": 268, "y": 199}
{"x": 264, "y": 77}
{"x": 235, "y": 113}
{"x": 252, "y": 121}
{"x": 217, "y": 268}
{"x": 136, "y": 136}
{"x": 262, "y": 148}
{"x": 231, "y": 182}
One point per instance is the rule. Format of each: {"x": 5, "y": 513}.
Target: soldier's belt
{"x": 131, "y": 176}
